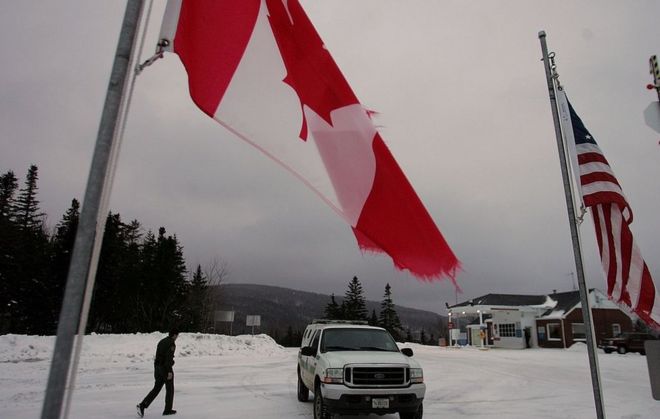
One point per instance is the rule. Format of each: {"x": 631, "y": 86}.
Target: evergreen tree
{"x": 355, "y": 307}
{"x": 29, "y": 277}
{"x": 8, "y": 236}
{"x": 333, "y": 310}
{"x": 389, "y": 318}
{"x": 130, "y": 279}
{"x": 170, "y": 271}
{"x": 409, "y": 336}
{"x": 26, "y": 207}
{"x": 197, "y": 302}
{"x": 373, "y": 321}
{"x": 62, "y": 248}
{"x": 147, "y": 304}
{"x": 8, "y": 186}
{"x": 107, "y": 292}
{"x": 422, "y": 337}
{"x": 115, "y": 305}
{"x": 140, "y": 286}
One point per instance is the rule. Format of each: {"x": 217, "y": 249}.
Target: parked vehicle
{"x": 626, "y": 342}
{"x": 358, "y": 369}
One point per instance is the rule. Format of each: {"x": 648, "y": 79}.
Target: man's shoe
{"x": 140, "y": 410}
{"x": 169, "y": 412}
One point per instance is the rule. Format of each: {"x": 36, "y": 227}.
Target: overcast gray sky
{"x": 463, "y": 106}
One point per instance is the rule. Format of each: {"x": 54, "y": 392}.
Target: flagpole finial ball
{"x": 541, "y": 34}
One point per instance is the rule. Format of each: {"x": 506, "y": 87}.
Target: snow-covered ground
{"x": 226, "y": 377}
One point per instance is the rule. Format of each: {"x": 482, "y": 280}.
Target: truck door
{"x": 309, "y": 362}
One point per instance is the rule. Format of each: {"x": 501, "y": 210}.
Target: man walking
{"x": 163, "y": 375}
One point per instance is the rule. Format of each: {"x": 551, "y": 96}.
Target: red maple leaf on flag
{"x": 311, "y": 71}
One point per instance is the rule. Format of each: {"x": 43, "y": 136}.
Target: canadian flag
{"x": 260, "y": 69}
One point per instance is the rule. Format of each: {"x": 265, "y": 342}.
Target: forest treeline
{"x": 353, "y": 307}
{"x": 142, "y": 283}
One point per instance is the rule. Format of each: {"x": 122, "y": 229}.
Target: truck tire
{"x": 320, "y": 409}
{"x": 303, "y": 391}
{"x": 621, "y": 349}
{"x": 413, "y": 415}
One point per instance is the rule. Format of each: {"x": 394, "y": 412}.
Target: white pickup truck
{"x": 357, "y": 369}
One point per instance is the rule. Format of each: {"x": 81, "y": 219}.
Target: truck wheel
{"x": 413, "y": 415}
{"x": 320, "y": 409}
{"x": 621, "y": 349}
{"x": 303, "y": 391}
{"x": 608, "y": 351}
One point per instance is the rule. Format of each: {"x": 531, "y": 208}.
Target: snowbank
{"x": 138, "y": 347}
{"x": 20, "y": 348}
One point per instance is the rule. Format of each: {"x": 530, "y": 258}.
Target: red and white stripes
{"x": 628, "y": 278}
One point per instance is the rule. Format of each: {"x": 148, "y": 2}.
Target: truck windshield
{"x": 341, "y": 339}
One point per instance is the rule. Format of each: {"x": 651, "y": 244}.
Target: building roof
{"x": 556, "y": 305}
{"x": 565, "y": 302}
{"x": 513, "y": 300}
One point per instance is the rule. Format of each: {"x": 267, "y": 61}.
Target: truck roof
{"x": 339, "y": 324}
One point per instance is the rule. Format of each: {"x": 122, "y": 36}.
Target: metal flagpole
{"x": 551, "y": 76}
{"x": 82, "y": 269}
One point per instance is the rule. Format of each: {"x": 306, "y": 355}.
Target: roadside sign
{"x": 253, "y": 320}
{"x": 224, "y": 316}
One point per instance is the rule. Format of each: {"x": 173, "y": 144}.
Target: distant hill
{"x": 281, "y": 307}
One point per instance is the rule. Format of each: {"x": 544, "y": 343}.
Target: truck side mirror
{"x": 407, "y": 352}
{"x": 307, "y": 351}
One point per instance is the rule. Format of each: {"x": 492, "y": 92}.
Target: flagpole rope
{"x": 159, "y": 47}
{"x": 555, "y": 76}
{"x": 144, "y": 30}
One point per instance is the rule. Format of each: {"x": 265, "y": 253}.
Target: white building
{"x": 520, "y": 321}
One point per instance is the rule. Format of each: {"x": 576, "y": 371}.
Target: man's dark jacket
{"x": 165, "y": 355}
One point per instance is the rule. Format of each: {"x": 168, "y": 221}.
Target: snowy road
{"x": 251, "y": 377}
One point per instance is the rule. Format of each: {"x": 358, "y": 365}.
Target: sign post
{"x": 253, "y": 320}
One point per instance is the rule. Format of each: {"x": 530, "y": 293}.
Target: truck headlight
{"x": 416, "y": 375}
{"x": 333, "y": 376}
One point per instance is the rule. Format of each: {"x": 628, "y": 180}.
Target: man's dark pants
{"x": 160, "y": 375}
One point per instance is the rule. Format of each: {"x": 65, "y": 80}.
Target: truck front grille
{"x": 376, "y": 376}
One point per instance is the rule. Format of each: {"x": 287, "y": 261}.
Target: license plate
{"x": 380, "y": 403}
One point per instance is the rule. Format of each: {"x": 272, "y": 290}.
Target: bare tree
{"x": 216, "y": 272}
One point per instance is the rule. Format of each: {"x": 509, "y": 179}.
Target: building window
{"x": 507, "y": 330}
{"x": 554, "y": 331}
{"x": 616, "y": 329}
{"x": 578, "y": 331}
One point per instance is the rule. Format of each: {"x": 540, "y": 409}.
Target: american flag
{"x": 629, "y": 281}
